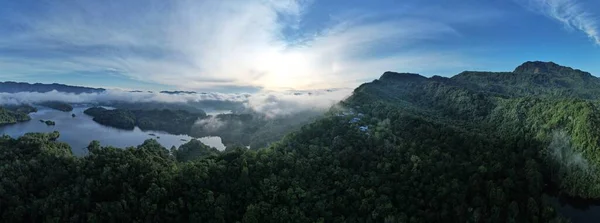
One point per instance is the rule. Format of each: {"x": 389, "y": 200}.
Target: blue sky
{"x": 241, "y": 46}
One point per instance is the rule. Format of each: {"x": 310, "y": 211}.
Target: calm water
{"x": 81, "y": 130}
{"x": 578, "y": 215}
{"x": 577, "y": 210}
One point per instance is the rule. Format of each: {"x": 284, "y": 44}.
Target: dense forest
{"x": 404, "y": 148}
{"x": 11, "y": 114}
{"x": 190, "y": 106}
{"x": 11, "y": 117}
{"x": 57, "y": 105}
{"x": 13, "y": 87}
{"x": 172, "y": 121}
{"x": 244, "y": 129}
{"x": 23, "y": 108}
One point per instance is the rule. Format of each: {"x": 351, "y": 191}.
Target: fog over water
{"x": 79, "y": 131}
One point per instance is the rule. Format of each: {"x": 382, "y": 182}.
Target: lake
{"x": 81, "y": 130}
{"x": 577, "y": 210}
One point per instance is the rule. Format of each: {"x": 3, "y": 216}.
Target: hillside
{"x": 14, "y": 87}
{"x": 247, "y": 129}
{"x": 57, "y": 105}
{"x": 172, "y": 121}
{"x": 403, "y": 148}
{"x": 550, "y": 104}
{"x": 8, "y": 116}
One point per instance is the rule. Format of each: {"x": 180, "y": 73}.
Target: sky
{"x": 237, "y": 46}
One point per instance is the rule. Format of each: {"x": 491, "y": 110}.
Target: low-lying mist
{"x": 271, "y": 104}
{"x": 562, "y": 151}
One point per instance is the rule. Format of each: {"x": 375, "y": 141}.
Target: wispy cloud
{"x": 572, "y": 13}
{"x": 214, "y": 44}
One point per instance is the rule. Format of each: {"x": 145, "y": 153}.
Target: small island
{"x": 49, "y": 123}
{"x": 23, "y": 108}
{"x": 121, "y": 119}
{"x": 171, "y": 121}
{"x": 57, "y": 105}
{"x": 12, "y": 117}
{"x": 73, "y": 115}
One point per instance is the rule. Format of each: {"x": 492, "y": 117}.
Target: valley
{"x": 478, "y": 146}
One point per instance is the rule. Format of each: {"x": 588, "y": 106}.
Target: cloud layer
{"x": 213, "y": 44}
{"x": 271, "y": 104}
{"x": 572, "y": 13}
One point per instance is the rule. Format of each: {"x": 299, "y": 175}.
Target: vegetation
{"x": 172, "y": 121}
{"x": 49, "y": 122}
{"x": 14, "y": 87}
{"x": 57, "y": 105}
{"x": 11, "y": 117}
{"x": 451, "y": 177}
{"x": 193, "y": 149}
{"x": 252, "y": 129}
{"x": 116, "y": 118}
{"x": 403, "y": 148}
{"x": 190, "y": 106}
{"x": 154, "y": 106}
{"x": 234, "y": 129}
{"x": 23, "y": 108}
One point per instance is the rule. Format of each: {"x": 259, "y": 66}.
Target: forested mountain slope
{"x": 553, "y": 105}
{"x": 403, "y": 148}
{"x": 540, "y": 79}
{"x": 14, "y": 87}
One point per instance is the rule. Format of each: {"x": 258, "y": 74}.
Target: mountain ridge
{"x": 403, "y": 148}
{"x": 14, "y": 87}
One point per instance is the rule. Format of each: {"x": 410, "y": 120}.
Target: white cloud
{"x": 210, "y": 125}
{"x": 115, "y": 95}
{"x": 286, "y": 103}
{"x": 271, "y": 103}
{"x": 208, "y": 44}
{"x": 572, "y": 13}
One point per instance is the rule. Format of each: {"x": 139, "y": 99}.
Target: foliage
{"x": 172, "y": 121}
{"x": 14, "y": 87}
{"x": 57, "y": 105}
{"x": 403, "y": 148}
{"x": 12, "y": 117}
{"x": 116, "y": 118}
{"x": 24, "y": 108}
{"x": 251, "y": 129}
{"x": 193, "y": 149}
{"x": 538, "y": 79}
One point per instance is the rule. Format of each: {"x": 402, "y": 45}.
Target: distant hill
{"x": 178, "y": 92}
{"x": 14, "y": 87}
{"x": 545, "y": 79}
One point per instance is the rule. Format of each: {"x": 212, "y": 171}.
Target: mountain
{"x": 178, "y": 92}
{"x": 555, "y": 107}
{"x": 476, "y": 147}
{"x": 14, "y": 87}
{"x": 533, "y": 79}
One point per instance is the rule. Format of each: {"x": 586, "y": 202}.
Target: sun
{"x": 286, "y": 70}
